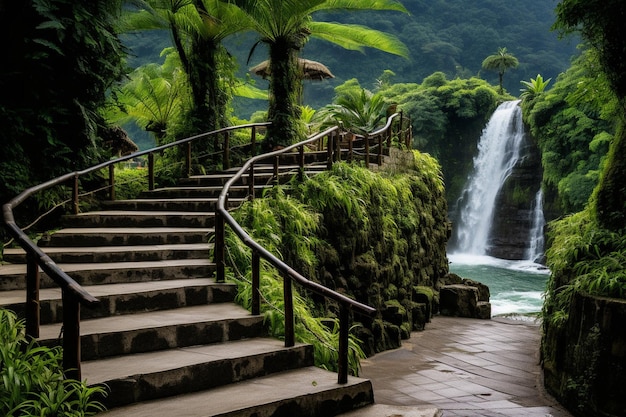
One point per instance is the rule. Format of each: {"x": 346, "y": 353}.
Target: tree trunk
{"x": 284, "y": 89}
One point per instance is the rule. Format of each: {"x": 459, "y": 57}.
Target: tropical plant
{"x": 534, "y": 87}
{"x": 360, "y": 110}
{"x": 285, "y": 27}
{"x": 197, "y": 29}
{"x": 153, "y": 98}
{"x": 32, "y": 381}
{"x": 500, "y": 62}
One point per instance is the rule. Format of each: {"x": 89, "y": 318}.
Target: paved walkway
{"x": 466, "y": 367}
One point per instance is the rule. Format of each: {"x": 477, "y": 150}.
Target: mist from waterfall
{"x": 498, "y": 152}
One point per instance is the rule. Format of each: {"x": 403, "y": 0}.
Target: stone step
{"x": 127, "y": 298}
{"x": 236, "y": 191}
{"x": 116, "y": 253}
{"x": 120, "y": 236}
{"x": 160, "y": 330}
{"x": 304, "y": 392}
{"x": 170, "y": 204}
{"x": 263, "y": 175}
{"x": 130, "y": 218}
{"x": 148, "y": 376}
{"x": 12, "y": 277}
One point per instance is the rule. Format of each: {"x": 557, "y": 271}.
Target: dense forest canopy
{"x": 451, "y": 36}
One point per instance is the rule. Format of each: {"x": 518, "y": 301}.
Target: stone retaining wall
{"x": 592, "y": 343}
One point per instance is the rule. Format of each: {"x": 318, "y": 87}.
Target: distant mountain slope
{"x": 454, "y": 36}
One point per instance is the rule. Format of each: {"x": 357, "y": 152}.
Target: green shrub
{"x": 32, "y": 381}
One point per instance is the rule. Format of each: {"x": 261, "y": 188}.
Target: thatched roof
{"x": 312, "y": 70}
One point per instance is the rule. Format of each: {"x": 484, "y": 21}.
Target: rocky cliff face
{"x": 513, "y": 218}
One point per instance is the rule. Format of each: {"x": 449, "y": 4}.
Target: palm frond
{"x": 356, "y": 37}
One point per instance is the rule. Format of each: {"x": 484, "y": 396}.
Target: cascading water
{"x": 534, "y": 253}
{"x": 498, "y": 152}
{"x": 515, "y": 286}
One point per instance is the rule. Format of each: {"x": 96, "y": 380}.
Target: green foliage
{"x": 153, "y": 98}
{"x": 130, "y": 182}
{"x": 600, "y": 23}
{"x": 285, "y": 27}
{"x": 583, "y": 258}
{"x": 322, "y": 225}
{"x": 287, "y": 228}
{"x": 574, "y": 123}
{"x": 32, "y": 381}
{"x": 360, "y": 110}
{"x": 64, "y": 57}
{"x": 447, "y": 117}
{"x": 534, "y": 87}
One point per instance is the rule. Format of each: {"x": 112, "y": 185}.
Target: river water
{"x": 516, "y": 287}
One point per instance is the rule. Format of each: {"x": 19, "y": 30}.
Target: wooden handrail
{"x": 289, "y": 274}
{"x": 74, "y": 295}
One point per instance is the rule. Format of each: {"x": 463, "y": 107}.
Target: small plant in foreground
{"x": 32, "y": 381}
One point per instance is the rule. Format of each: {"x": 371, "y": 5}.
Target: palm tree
{"x": 285, "y": 26}
{"x": 197, "y": 28}
{"x": 501, "y": 61}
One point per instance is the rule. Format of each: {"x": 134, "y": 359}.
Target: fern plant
{"x": 32, "y": 381}
{"x": 288, "y": 229}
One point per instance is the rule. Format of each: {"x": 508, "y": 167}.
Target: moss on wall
{"x": 386, "y": 234}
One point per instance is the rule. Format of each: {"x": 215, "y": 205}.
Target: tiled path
{"x": 466, "y": 367}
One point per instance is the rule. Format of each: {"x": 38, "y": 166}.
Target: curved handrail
{"x": 73, "y": 293}
{"x": 289, "y": 274}
{"x": 280, "y": 265}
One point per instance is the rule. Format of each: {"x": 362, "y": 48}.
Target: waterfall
{"x": 498, "y": 153}
{"x": 534, "y": 253}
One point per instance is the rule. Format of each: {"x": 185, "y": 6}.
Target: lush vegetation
{"x": 588, "y": 249}
{"x": 372, "y": 236}
{"x": 447, "y": 118}
{"x": 32, "y": 381}
{"x": 574, "y": 123}
{"x": 51, "y": 98}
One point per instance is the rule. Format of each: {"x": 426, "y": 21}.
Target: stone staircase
{"x": 167, "y": 338}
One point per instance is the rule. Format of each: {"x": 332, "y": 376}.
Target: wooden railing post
{"x": 380, "y": 150}
{"x": 301, "y": 163}
{"x": 188, "y": 159}
{"x": 151, "y": 171}
{"x": 367, "y": 151}
{"x": 276, "y": 169}
{"x": 290, "y": 337}
{"x": 32, "y": 297}
{"x": 329, "y": 152}
{"x": 75, "y": 186}
{"x": 256, "y": 283}
{"x": 112, "y": 182}
{"x": 344, "y": 330}
{"x": 219, "y": 247}
{"x": 251, "y": 183}
{"x": 226, "y": 154}
{"x": 253, "y": 141}
{"x": 71, "y": 335}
